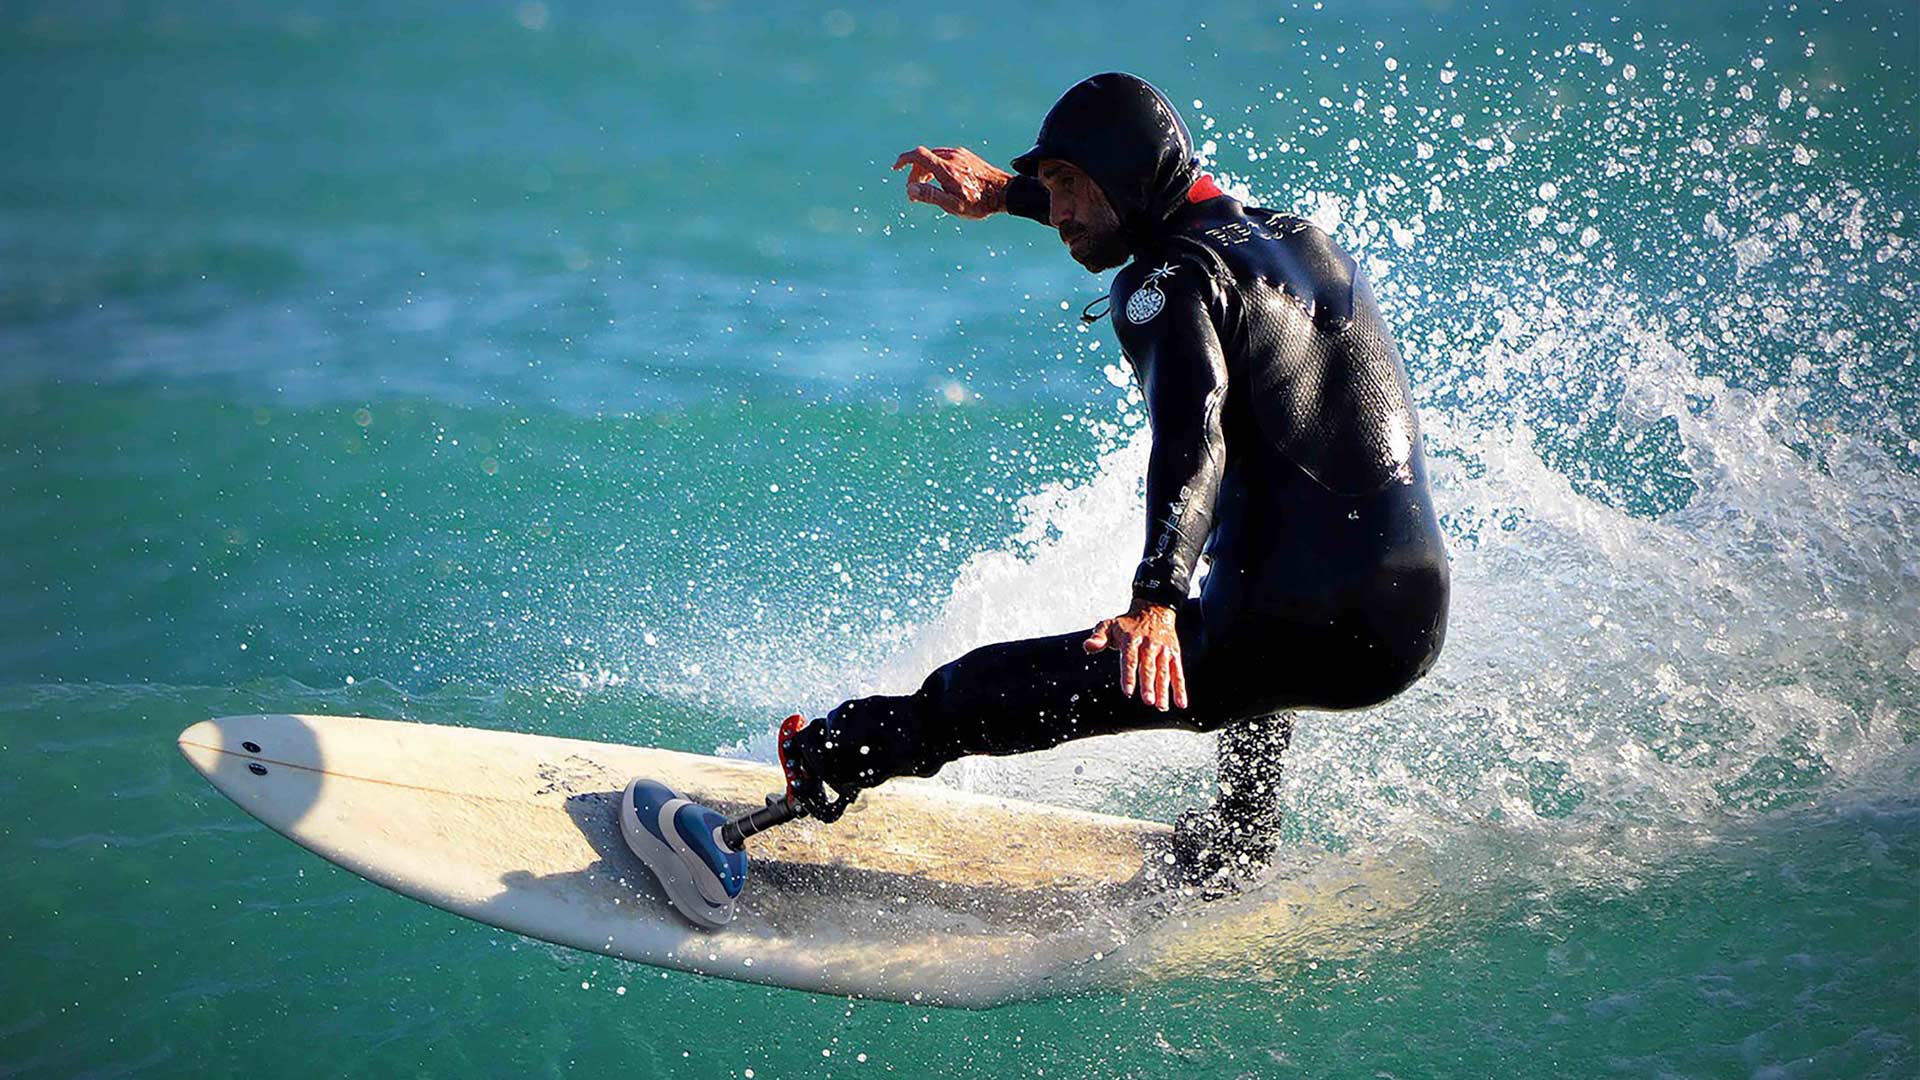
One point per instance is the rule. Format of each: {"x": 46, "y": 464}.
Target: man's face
{"x": 1087, "y": 223}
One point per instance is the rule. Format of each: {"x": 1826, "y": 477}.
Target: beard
{"x": 1098, "y": 250}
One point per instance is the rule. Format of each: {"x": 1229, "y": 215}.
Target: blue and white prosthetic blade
{"x": 680, "y": 842}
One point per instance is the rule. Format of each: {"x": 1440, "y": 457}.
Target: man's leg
{"x": 1239, "y": 830}
{"x": 1010, "y": 698}
{"x": 1249, "y": 764}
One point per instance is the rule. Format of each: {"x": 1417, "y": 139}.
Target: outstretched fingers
{"x": 938, "y": 163}
{"x": 1150, "y": 668}
{"x": 948, "y": 178}
{"x": 935, "y": 195}
{"x": 920, "y": 188}
{"x": 1177, "y": 673}
{"x": 1097, "y": 639}
{"x": 919, "y": 155}
{"x": 1150, "y": 659}
{"x": 1163, "y": 680}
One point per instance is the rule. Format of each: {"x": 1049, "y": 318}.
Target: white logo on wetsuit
{"x": 1147, "y": 300}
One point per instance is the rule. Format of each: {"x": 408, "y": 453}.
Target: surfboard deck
{"x": 921, "y": 893}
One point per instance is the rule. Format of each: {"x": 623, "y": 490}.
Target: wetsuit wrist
{"x": 1162, "y": 593}
{"x": 1027, "y": 197}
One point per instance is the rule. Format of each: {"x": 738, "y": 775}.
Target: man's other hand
{"x": 967, "y": 186}
{"x": 1149, "y": 654}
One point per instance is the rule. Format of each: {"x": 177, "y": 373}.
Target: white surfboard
{"x": 921, "y": 893}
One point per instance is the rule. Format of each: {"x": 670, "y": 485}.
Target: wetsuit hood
{"x": 1125, "y": 134}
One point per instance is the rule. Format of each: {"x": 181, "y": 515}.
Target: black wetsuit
{"x": 1284, "y": 443}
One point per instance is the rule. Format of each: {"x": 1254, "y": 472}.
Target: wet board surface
{"x": 921, "y": 893}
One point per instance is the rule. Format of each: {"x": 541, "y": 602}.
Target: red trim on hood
{"x": 1203, "y": 189}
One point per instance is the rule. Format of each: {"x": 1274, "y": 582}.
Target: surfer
{"x": 1285, "y": 454}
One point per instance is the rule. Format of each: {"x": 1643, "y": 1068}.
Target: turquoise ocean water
{"x": 579, "y": 368}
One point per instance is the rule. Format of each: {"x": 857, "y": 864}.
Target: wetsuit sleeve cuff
{"x": 1027, "y": 197}
{"x": 1162, "y": 592}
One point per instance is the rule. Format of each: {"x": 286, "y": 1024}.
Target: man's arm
{"x": 960, "y": 182}
{"x": 1167, "y": 330}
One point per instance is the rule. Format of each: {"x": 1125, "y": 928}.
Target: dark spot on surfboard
{"x": 250, "y": 747}
{"x": 256, "y": 768}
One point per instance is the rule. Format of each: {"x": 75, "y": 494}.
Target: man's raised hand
{"x": 1149, "y": 654}
{"x": 954, "y": 179}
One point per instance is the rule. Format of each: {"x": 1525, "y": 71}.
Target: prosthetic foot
{"x": 699, "y": 854}
{"x": 681, "y": 842}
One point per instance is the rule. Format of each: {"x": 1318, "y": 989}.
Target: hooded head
{"x": 1124, "y": 134}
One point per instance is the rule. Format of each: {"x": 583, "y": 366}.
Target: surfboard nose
{"x": 201, "y": 745}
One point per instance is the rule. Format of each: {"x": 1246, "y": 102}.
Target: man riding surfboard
{"x": 1285, "y": 448}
